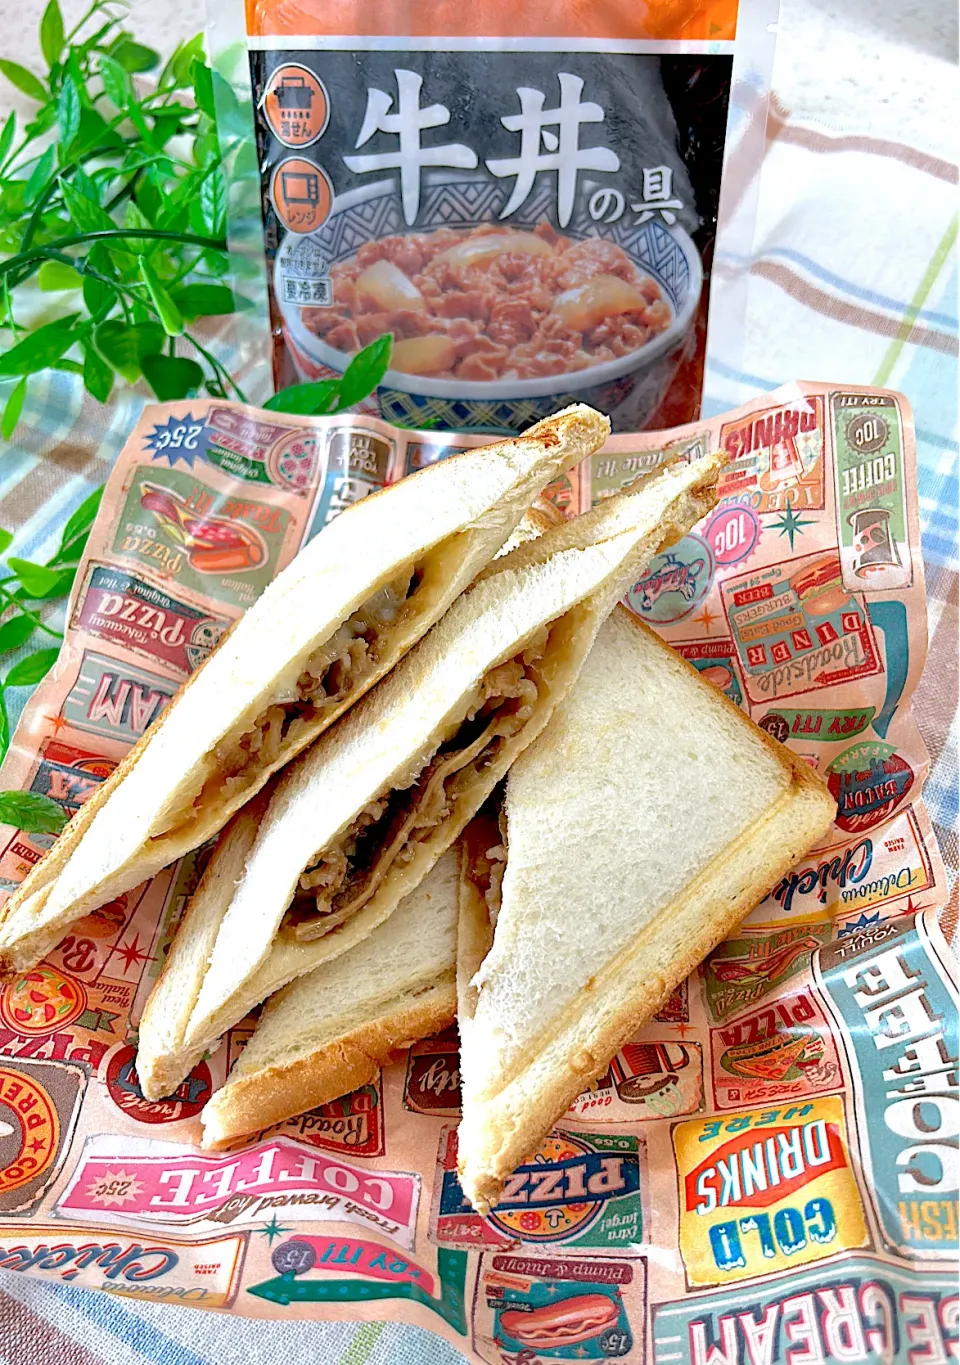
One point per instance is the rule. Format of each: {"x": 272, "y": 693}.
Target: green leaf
{"x": 172, "y": 376}
{"x": 124, "y": 346}
{"x": 203, "y": 89}
{"x": 11, "y": 414}
{"x": 31, "y": 669}
{"x": 51, "y": 33}
{"x": 85, "y": 215}
{"x": 38, "y": 581}
{"x": 24, "y": 80}
{"x": 7, "y": 136}
{"x": 365, "y": 371}
{"x": 204, "y": 300}
{"x": 133, "y": 56}
{"x": 310, "y": 400}
{"x": 97, "y": 374}
{"x": 84, "y": 185}
{"x": 78, "y": 525}
{"x": 15, "y": 632}
{"x": 40, "y": 176}
{"x": 98, "y": 297}
{"x": 32, "y": 812}
{"x": 177, "y": 71}
{"x": 40, "y": 348}
{"x": 68, "y": 111}
{"x": 94, "y": 132}
{"x": 167, "y": 310}
{"x": 212, "y": 204}
{"x": 54, "y": 276}
{"x": 6, "y": 540}
{"x": 116, "y": 82}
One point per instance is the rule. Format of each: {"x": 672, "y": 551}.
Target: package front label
{"x": 895, "y": 1008}
{"x": 765, "y": 1189}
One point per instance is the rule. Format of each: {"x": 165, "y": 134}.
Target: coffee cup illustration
{"x": 874, "y": 547}
{"x": 640, "y": 1070}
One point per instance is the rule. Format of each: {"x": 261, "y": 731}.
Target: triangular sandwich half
{"x": 337, "y": 619}
{"x": 357, "y": 821}
{"x": 328, "y": 1033}
{"x": 648, "y": 818}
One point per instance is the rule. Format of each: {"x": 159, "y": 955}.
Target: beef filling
{"x": 344, "y": 876}
{"x": 330, "y": 674}
{"x": 486, "y": 872}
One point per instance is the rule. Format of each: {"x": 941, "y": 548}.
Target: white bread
{"x": 447, "y": 521}
{"x": 648, "y": 818}
{"x": 329, "y": 1032}
{"x": 162, "y": 1059}
{"x": 396, "y": 725}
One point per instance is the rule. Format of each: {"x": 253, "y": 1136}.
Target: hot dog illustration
{"x": 212, "y": 544}
{"x": 561, "y": 1324}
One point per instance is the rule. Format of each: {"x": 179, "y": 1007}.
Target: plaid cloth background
{"x": 854, "y": 279}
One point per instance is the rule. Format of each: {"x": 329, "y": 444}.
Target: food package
{"x": 770, "y": 1165}
{"x": 530, "y": 198}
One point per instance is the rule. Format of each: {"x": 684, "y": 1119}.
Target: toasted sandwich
{"x": 331, "y": 1030}
{"x": 336, "y": 620}
{"x": 644, "y": 823}
{"x": 356, "y": 823}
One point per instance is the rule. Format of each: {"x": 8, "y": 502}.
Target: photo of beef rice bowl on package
{"x": 531, "y": 228}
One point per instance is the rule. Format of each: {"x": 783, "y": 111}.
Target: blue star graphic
{"x": 791, "y": 525}
{"x": 178, "y": 438}
{"x": 863, "y": 922}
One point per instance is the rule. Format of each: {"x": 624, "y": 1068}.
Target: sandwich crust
{"x": 502, "y": 1127}
{"x": 474, "y": 505}
{"x": 251, "y": 1103}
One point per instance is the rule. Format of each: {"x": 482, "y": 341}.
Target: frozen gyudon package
{"x": 528, "y": 198}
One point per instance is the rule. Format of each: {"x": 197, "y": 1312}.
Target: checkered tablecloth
{"x": 854, "y": 280}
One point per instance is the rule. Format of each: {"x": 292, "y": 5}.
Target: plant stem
{"x": 216, "y": 366}
{"x": 113, "y": 234}
{"x": 11, "y": 601}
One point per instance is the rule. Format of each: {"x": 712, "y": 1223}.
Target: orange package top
{"x": 714, "y": 20}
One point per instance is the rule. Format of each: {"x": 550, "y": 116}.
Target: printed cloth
{"x": 853, "y": 280}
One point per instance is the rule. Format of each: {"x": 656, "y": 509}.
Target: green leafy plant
{"x": 116, "y": 200}
{"x": 114, "y": 197}
{"x": 24, "y": 590}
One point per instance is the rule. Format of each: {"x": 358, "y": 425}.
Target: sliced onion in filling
{"x": 343, "y": 877}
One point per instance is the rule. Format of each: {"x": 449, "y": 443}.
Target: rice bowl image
{"x": 495, "y": 323}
